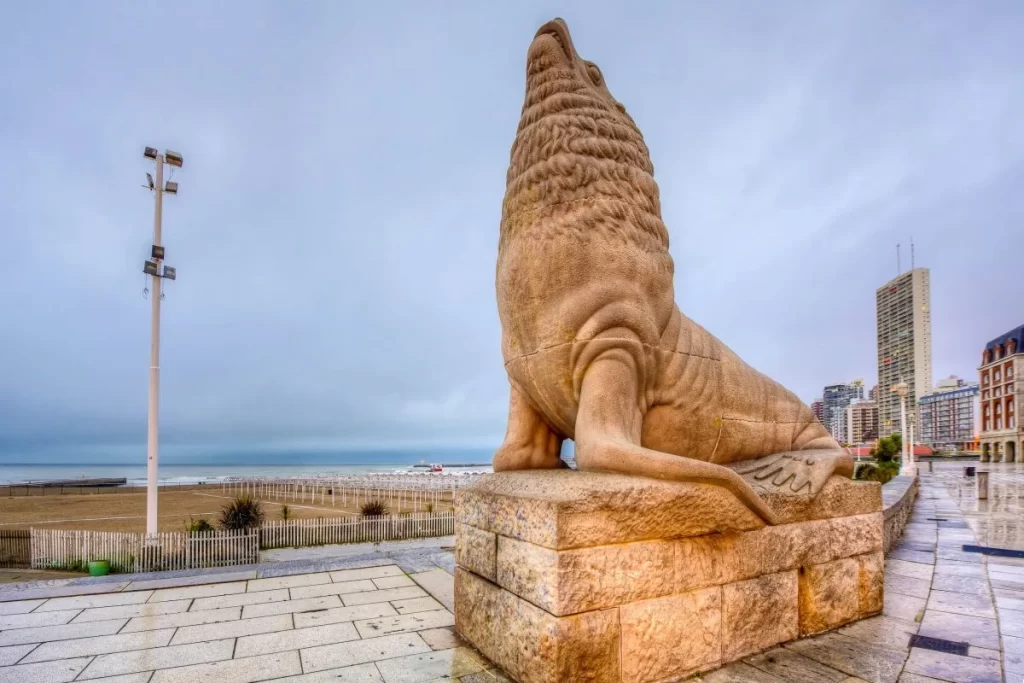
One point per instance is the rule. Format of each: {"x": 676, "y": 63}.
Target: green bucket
{"x": 99, "y": 568}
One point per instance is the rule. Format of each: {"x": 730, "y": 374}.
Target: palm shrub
{"x": 373, "y": 508}
{"x": 198, "y": 526}
{"x": 286, "y": 512}
{"x": 244, "y": 512}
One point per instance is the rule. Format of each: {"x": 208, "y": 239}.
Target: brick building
{"x": 1001, "y": 434}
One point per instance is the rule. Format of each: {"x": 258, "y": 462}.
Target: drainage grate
{"x": 998, "y": 552}
{"x": 939, "y": 645}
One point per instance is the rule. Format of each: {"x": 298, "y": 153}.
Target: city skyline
{"x": 336, "y": 230}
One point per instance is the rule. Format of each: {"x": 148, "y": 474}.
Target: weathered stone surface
{"x": 829, "y": 595}
{"x": 671, "y": 637}
{"x": 573, "y": 581}
{"x": 758, "y": 614}
{"x": 476, "y": 550}
{"x": 806, "y": 543}
{"x": 871, "y": 583}
{"x": 562, "y": 509}
{"x": 840, "y": 497}
{"x": 531, "y": 644}
{"x": 717, "y": 559}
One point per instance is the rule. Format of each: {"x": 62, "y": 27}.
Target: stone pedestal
{"x": 583, "y": 577}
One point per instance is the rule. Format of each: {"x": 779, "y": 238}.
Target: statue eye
{"x": 594, "y": 73}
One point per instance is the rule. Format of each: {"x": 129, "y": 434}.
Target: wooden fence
{"x": 133, "y": 552}
{"x": 15, "y": 548}
{"x": 305, "y": 532}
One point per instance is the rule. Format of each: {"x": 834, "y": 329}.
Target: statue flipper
{"x": 796, "y": 472}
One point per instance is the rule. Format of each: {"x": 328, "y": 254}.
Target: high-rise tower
{"x": 903, "y": 307}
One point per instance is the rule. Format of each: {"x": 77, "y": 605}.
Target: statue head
{"x": 576, "y": 144}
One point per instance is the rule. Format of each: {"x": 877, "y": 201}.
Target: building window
{"x": 996, "y": 375}
{"x": 984, "y": 379}
{"x": 999, "y": 423}
{"x": 1010, "y": 424}
{"x": 984, "y": 395}
{"x": 997, "y": 392}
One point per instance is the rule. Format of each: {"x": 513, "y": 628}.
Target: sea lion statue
{"x": 595, "y": 347}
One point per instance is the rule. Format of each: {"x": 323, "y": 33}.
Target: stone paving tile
{"x": 960, "y": 628}
{"x": 12, "y": 654}
{"x": 290, "y": 606}
{"x": 739, "y": 673}
{"x": 244, "y": 670}
{"x": 913, "y": 556}
{"x": 975, "y": 585}
{"x": 439, "y": 584}
{"x": 372, "y": 628}
{"x": 31, "y": 592}
{"x": 904, "y": 607}
{"x": 203, "y": 579}
{"x": 33, "y": 619}
{"x": 232, "y": 629}
{"x": 158, "y": 658}
{"x": 210, "y": 616}
{"x": 61, "y": 671}
{"x": 141, "y": 677}
{"x": 882, "y": 630}
{"x": 239, "y": 600}
{"x": 393, "y": 582}
{"x": 295, "y": 639}
{"x": 441, "y": 638}
{"x": 361, "y": 651}
{"x": 87, "y": 601}
{"x": 360, "y": 673}
{"x": 20, "y": 607}
{"x": 333, "y": 589}
{"x": 40, "y": 634}
{"x": 948, "y": 667}
{"x": 339, "y": 614}
{"x": 431, "y": 666}
{"x": 950, "y": 568}
{"x": 914, "y": 570}
{"x": 191, "y": 592}
{"x": 288, "y": 582}
{"x": 131, "y": 611}
{"x": 792, "y": 666}
{"x": 961, "y": 603}
{"x": 854, "y": 657}
{"x": 416, "y": 605}
{"x": 904, "y": 585}
{"x": 100, "y": 645}
{"x": 383, "y": 596}
{"x": 1011, "y": 623}
{"x": 366, "y": 573}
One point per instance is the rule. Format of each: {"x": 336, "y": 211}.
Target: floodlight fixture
{"x": 149, "y": 179}
{"x": 173, "y": 158}
{"x": 171, "y": 187}
{"x": 150, "y": 268}
{"x": 157, "y": 253}
{"x": 150, "y": 153}
{"x": 169, "y": 273}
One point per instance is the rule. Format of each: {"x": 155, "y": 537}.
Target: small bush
{"x": 430, "y": 507}
{"x": 286, "y": 512}
{"x": 373, "y": 508}
{"x": 243, "y": 512}
{"x": 198, "y": 526}
{"x": 881, "y": 472}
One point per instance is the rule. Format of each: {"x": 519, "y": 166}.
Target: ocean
{"x": 198, "y": 465}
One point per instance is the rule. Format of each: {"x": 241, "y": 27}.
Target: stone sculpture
{"x": 595, "y": 347}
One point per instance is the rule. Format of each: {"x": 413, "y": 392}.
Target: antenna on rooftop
{"x": 911, "y": 253}
{"x": 898, "y": 268}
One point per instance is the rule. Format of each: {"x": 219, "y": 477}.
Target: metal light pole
{"x": 152, "y": 267}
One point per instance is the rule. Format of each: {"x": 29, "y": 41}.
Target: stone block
{"x": 476, "y": 550}
{"x": 671, "y": 637}
{"x": 829, "y": 595}
{"x": 790, "y": 546}
{"x": 758, "y": 614}
{"x": 717, "y": 559}
{"x": 563, "y": 509}
{"x": 531, "y": 644}
{"x": 871, "y": 583}
{"x": 574, "y": 581}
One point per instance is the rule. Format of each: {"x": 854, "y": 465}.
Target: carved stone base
{"x": 572, "y": 576}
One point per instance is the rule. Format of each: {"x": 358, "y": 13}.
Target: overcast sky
{"x": 336, "y": 229}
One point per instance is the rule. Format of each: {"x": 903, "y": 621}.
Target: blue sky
{"x": 336, "y": 229}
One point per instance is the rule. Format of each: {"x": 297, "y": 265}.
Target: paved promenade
{"x": 385, "y": 616}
